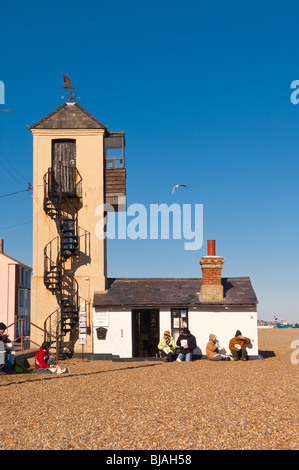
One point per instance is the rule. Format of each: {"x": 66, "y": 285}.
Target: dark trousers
{"x": 239, "y": 354}
{"x": 167, "y": 357}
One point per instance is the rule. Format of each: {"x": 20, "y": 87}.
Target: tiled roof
{"x": 171, "y": 292}
{"x": 68, "y": 116}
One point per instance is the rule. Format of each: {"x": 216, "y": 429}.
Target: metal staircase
{"x": 61, "y": 204}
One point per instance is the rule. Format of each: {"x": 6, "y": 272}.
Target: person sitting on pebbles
{"x": 167, "y": 347}
{"x": 45, "y": 362}
{"x": 237, "y": 346}
{"x": 8, "y": 352}
{"x": 214, "y": 351}
{"x": 187, "y": 343}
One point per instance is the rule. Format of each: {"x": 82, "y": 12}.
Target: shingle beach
{"x": 104, "y": 405}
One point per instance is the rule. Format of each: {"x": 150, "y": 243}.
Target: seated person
{"x": 187, "y": 343}
{"x": 167, "y": 347}
{"x": 43, "y": 360}
{"x": 9, "y": 352}
{"x": 213, "y": 349}
{"x": 237, "y": 345}
{"x": 2, "y": 357}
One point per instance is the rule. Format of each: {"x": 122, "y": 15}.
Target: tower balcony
{"x": 115, "y": 171}
{"x": 65, "y": 182}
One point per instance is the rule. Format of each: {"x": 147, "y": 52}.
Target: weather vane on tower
{"x": 67, "y": 85}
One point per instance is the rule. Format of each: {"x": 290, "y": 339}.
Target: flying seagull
{"x": 177, "y": 186}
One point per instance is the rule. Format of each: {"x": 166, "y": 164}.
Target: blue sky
{"x": 202, "y": 91}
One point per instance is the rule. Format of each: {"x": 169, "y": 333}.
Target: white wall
{"x": 222, "y": 323}
{"x": 165, "y": 321}
{"x": 119, "y": 333}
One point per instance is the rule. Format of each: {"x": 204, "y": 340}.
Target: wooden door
{"x": 64, "y": 166}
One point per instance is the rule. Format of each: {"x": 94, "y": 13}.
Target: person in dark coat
{"x": 7, "y": 352}
{"x": 186, "y": 343}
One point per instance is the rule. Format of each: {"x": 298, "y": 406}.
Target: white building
{"x": 131, "y": 317}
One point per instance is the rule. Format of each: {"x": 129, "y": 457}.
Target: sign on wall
{"x": 82, "y": 324}
{"x": 101, "y": 318}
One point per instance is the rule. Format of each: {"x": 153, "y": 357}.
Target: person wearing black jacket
{"x": 7, "y": 348}
{"x": 187, "y": 343}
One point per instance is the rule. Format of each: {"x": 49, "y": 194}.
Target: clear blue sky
{"x": 202, "y": 91}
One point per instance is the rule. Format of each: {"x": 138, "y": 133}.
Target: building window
{"x": 21, "y": 298}
{"x": 179, "y": 320}
{"x": 114, "y": 144}
{"x": 23, "y": 302}
{"x": 27, "y": 280}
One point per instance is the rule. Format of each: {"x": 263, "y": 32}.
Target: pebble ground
{"x": 104, "y": 405}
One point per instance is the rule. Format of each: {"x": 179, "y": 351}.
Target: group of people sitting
{"x": 186, "y": 343}
{"x": 44, "y": 361}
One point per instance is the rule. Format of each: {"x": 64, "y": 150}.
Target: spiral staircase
{"x": 61, "y": 204}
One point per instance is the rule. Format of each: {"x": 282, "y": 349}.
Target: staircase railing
{"x": 62, "y": 185}
{"x": 68, "y": 181}
{"x": 24, "y": 337}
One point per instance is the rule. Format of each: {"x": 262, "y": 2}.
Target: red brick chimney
{"x": 211, "y": 265}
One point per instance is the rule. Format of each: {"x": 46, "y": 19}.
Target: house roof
{"x": 171, "y": 292}
{"x": 16, "y": 261}
{"x": 68, "y": 116}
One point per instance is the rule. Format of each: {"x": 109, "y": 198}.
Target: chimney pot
{"x": 211, "y": 247}
{"x": 1, "y": 245}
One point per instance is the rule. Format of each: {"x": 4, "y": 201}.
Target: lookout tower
{"x": 77, "y": 166}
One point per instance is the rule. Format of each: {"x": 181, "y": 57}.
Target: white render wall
{"x": 222, "y": 323}
{"x": 119, "y": 332}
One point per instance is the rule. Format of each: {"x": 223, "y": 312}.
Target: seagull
{"x": 177, "y": 186}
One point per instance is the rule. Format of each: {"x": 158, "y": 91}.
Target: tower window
{"x": 115, "y": 150}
